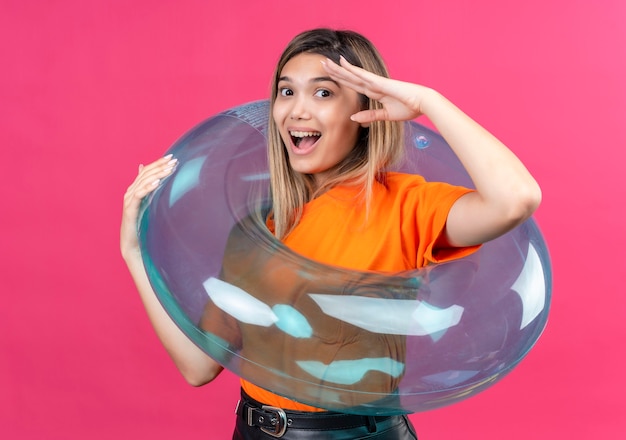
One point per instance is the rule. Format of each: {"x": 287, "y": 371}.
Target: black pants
{"x": 355, "y": 427}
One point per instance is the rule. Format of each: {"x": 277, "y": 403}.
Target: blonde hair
{"x": 378, "y": 146}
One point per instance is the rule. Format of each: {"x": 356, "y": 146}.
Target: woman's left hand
{"x": 506, "y": 193}
{"x": 401, "y": 101}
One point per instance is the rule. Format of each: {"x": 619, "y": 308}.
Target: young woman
{"x": 335, "y": 129}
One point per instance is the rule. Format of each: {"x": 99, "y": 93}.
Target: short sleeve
{"x": 427, "y": 206}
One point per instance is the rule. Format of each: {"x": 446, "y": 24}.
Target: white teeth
{"x": 301, "y": 134}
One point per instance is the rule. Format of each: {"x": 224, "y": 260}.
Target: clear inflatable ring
{"x": 325, "y": 336}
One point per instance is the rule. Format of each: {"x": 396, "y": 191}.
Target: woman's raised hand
{"x": 401, "y": 101}
{"x": 147, "y": 180}
{"x": 506, "y": 194}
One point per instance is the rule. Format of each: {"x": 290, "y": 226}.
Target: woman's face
{"x": 312, "y": 113}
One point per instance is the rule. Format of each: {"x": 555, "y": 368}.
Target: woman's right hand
{"x": 193, "y": 363}
{"x": 147, "y": 180}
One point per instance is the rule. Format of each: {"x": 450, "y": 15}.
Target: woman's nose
{"x": 299, "y": 110}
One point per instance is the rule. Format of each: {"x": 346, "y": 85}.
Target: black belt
{"x": 275, "y": 421}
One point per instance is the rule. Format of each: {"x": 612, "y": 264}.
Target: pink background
{"x": 89, "y": 89}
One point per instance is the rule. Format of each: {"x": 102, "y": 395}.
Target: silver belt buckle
{"x": 279, "y": 422}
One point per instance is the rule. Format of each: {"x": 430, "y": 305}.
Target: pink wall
{"x": 90, "y": 89}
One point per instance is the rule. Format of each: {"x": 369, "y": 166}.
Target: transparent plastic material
{"x": 338, "y": 339}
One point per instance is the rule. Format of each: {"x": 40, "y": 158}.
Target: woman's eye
{"x": 285, "y": 92}
{"x": 322, "y": 93}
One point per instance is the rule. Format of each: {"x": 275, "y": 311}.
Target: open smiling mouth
{"x": 304, "y": 139}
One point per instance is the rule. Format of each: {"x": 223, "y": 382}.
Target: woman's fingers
{"x": 400, "y": 100}
{"x": 150, "y": 176}
{"x": 147, "y": 180}
{"x": 364, "y": 117}
{"x": 357, "y": 72}
{"x": 156, "y": 170}
{"x": 360, "y": 80}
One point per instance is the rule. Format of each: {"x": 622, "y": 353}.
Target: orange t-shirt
{"x": 407, "y": 217}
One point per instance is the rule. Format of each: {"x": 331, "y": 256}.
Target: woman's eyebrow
{"x": 312, "y": 80}
{"x": 324, "y": 79}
